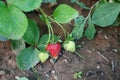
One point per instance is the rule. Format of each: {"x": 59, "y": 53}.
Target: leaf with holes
{"x": 32, "y": 34}
{"x": 27, "y": 58}
{"x": 64, "y": 13}
{"x": 13, "y": 22}
{"x": 106, "y": 14}
{"x": 25, "y": 5}
{"x": 77, "y": 32}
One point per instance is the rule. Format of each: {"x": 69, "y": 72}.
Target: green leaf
{"x": 64, "y": 13}
{"x": 18, "y": 45}
{"x": 79, "y": 20}
{"x": 81, "y": 4}
{"x": 32, "y": 34}
{"x": 90, "y": 31}
{"x": 21, "y": 78}
{"x": 106, "y": 14}
{"x": 77, "y": 32}
{"x": 77, "y": 75}
{"x": 27, "y": 58}
{"x": 42, "y": 18}
{"x": 25, "y": 5}
{"x": 42, "y": 42}
{"x": 13, "y": 22}
{"x": 117, "y": 22}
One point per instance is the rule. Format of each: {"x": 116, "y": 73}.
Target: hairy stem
{"x": 48, "y": 25}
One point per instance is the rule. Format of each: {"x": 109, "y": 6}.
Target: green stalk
{"x": 51, "y": 29}
{"x": 36, "y": 74}
{"x": 49, "y": 32}
{"x": 48, "y": 25}
{"x": 65, "y": 32}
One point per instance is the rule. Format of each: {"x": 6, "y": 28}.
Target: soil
{"x": 101, "y": 56}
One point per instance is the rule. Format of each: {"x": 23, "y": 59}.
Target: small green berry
{"x": 69, "y": 46}
{"x": 43, "y": 56}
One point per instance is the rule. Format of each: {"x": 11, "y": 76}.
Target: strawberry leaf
{"x": 106, "y": 14}
{"x": 64, "y": 13}
{"x": 13, "y": 22}
{"x": 90, "y": 31}
{"x": 32, "y": 34}
{"x": 25, "y": 5}
{"x": 27, "y": 58}
{"x": 43, "y": 41}
{"x": 77, "y": 32}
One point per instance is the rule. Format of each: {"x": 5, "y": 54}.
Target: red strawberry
{"x": 54, "y": 49}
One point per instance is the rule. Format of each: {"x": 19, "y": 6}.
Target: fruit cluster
{"x": 54, "y": 50}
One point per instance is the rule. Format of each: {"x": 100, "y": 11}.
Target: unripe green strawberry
{"x": 69, "y": 46}
{"x": 43, "y": 56}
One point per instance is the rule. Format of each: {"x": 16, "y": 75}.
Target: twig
{"x": 103, "y": 56}
{"x": 90, "y": 11}
{"x": 79, "y": 54}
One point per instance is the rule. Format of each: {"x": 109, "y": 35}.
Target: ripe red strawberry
{"x": 54, "y": 49}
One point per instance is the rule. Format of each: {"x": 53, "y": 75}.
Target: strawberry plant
{"x": 77, "y": 75}
{"x": 16, "y": 27}
{"x": 24, "y": 33}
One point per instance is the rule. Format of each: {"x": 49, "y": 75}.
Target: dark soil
{"x": 101, "y": 57}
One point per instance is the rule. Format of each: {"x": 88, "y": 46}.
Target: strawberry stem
{"x": 65, "y": 32}
{"x": 36, "y": 74}
{"x": 50, "y": 30}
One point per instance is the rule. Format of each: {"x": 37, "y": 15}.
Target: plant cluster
{"x": 20, "y": 30}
